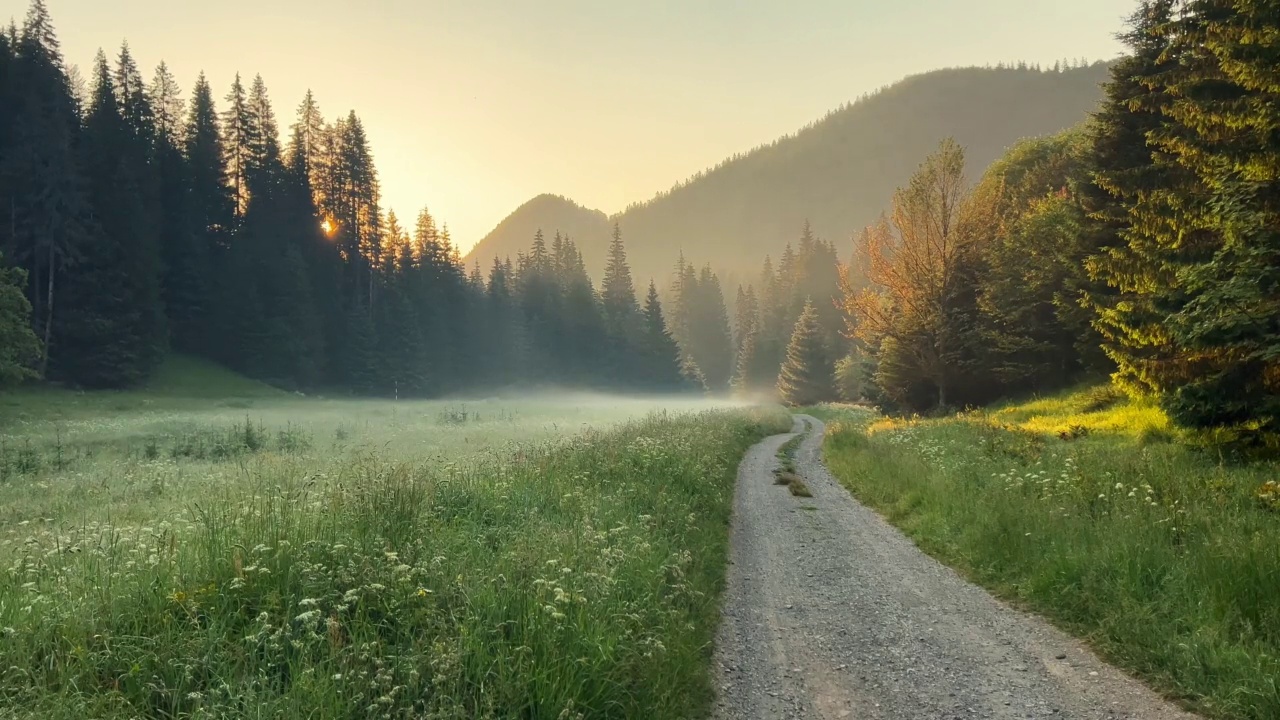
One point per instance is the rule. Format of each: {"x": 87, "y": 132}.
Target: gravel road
{"x": 830, "y": 612}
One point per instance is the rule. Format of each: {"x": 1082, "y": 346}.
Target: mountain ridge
{"x": 837, "y": 172}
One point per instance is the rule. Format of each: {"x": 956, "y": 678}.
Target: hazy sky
{"x": 474, "y": 106}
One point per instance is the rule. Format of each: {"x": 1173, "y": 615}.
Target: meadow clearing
{"x": 208, "y": 547}
{"x": 1089, "y": 509}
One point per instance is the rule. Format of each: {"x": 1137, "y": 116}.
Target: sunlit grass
{"x": 1098, "y": 409}
{"x": 1160, "y": 555}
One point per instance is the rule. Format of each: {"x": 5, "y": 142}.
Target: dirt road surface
{"x": 830, "y": 612}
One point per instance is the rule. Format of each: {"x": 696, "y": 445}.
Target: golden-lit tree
{"x": 909, "y": 280}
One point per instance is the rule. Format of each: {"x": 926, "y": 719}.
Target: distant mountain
{"x": 551, "y": 214}
{"x": 839, "y": 173}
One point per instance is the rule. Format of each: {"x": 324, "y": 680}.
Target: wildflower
{"x": 307, "y": 617}
{"x": 423, "y": 592}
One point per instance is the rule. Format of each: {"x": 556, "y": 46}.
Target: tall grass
{"x": 576, "y": 578}
{"x": 1162, "y": 557}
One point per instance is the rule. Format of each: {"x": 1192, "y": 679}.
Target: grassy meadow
{"x": 211, "y": 548}
{"x": 1089, "y": 509}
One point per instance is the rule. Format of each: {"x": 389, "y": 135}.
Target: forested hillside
{"x": 838, "y": 173}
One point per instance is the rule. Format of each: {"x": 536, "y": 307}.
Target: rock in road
{"x": 830, "y": 612}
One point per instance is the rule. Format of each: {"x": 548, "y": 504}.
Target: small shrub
{"x": 1268, "y": 495}
{"x": 292, "y": 440}
{"x": 27, "y": 460}
{"x": 1155, "y": 436}
{"x": 1097, "y": 399}
{"x": 456, "y": 416}
{"x": 1073, "y": 432}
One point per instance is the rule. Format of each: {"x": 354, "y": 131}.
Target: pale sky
{"x": 475, "y": 106}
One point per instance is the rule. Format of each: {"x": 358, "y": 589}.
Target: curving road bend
{"x": 830, "y": 612}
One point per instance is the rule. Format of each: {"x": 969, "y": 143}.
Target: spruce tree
{"x": 617, "y": 291}
{"x": 710, "y": 339}
{"x": 46, "y": 219}
{"x": 184, "y": 250}
{"x": 112, "y": 333}
{"x": 1225, "y": 242}
{"x": 807, "y": 374}
{"x": 19, "y": 347}
{"x": 212, "y": 204}
{"x": 1135, "y": 284}
{"x": 661, "y": 354}
{"x": 237, "y": 146}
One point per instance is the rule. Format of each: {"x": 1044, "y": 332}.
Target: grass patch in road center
{"x": 1161, "y": 556}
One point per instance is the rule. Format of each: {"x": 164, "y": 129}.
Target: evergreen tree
{"x": 112, "y": 333}
{"x": 212, "y": 204}
{"x": 1131, "y": 283}
{"x": 661, "y": 354}
{"x": 807, "y": 375}
{"x": 45, "y": 222}
{"x": 19, "y": 347}
{"x": 1223, "y": 236}
{"x": 184, "y": 251}
{"x": 692, "y": 374}
{"x": 617, "y": 291}
{"x": 237, "y": 146}
{"x": 263, "y": 163}
{"x": 1033, "y": 275}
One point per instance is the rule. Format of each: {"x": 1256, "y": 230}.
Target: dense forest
{"x": 134, "y": 223}
{"x": 838, "y": 173}
{"x": 1144, "y": 244}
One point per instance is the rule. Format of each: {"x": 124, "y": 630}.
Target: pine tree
{"x": 622, "y": 317}
{"x": 263, "y": 163}
{"x": 711, "y": 342}
{"x": 1032, "y": 324}
{"x": 807, "y": 375}
{"x": 184, "y": 251}
{"x": 694, "y": 379}
{"x": 661, "y": 354}
{"x": 19, "y": 347}
{"x": 112, "y": 333}
{"x": 212, "y": 204}
{"x": 237, "y": 146}
{"x": 1133, "y": 285}
{"x": 46, "y": 217}
{"x": 1223, "y": 237}
{"x": 617, "y": 290}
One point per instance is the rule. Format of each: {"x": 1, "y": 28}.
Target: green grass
{"x": 1163, "y": 558}
{"x": 786, "y": 473}
{"x": 533, "y": 558}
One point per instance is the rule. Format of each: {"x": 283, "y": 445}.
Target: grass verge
{"x": 579, "y": 578}
{"x": 1162, "y": 557}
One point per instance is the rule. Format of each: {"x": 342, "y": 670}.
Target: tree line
{"x": 134, "y": 224}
